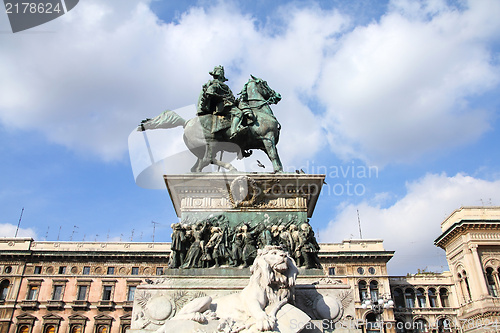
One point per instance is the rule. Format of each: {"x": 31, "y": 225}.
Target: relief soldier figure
{"x": 178, "y": 246}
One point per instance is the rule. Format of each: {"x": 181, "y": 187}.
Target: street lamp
{"x": 378, "y": 306}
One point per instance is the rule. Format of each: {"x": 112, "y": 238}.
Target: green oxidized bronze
{"x": 224, "y": 123}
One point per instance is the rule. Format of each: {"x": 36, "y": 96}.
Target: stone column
{"x": 438, "y": 298}
{"x": 497, "y": 281}
{"x": 480, "y": 289}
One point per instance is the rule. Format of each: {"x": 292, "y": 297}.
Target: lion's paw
{"x": 266, "y": 323}
{"x": 199, "y": 317}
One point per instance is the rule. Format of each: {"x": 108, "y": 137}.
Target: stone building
{"x": 88, "y": 287}
{"x": 471, "y": 238}
{"x": 77, "y": 287}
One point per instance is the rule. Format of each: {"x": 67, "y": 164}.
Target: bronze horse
{"x": 205, "y": 137}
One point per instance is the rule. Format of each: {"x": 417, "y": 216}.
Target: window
{"x": 106, "y": 293}
{"x": 159, "y": 270}
{"x": 420, "y": 326}
{"x": 57, "y": 293}
{"x": 86, "y": 270}
{"x": 4, "y": 289}
{"x": 443, "y": 295}
{"x": 400, "y": 326}
{"x": 444, "y": 325}
{"x": 102, "y": 329}
{"x": 490, "y": 279}
{"x": 399, "y": 298}
{"x": 111, "y": 270}
{"x": 374, "y": 290}
{"x": 82, "y": 293}
{"x": 410, "y": 298}
{"x": 421, "y": 298}
{"x": 135, "y": 270}
{"x": 62, "y": 270}
{"x": 24, "y": 329}
{"x": 363, "y": 292}
{"x": 361, "y": 271}
{"x": 372, "y": 324}
{"x": 465, "y": 286}
{"x": 50, "y": 329}
{"x": 131, "y": 293}
{"x": 371, "y": 270}
{"x": 331, "y": 271}
{"x": 432, "y": 297}
{"x": 38, "y": 270}
{"x": 8, "y": 269}
{"x": 76, "y": 329}
{"x": 32, "y": 293}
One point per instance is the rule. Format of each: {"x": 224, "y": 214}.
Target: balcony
{"x": 29, "y": 305}
{"x": 106, "y": 305}
{"x": 55, "y": 305}
{"x": 80, "y": 305}
{"x": 128, "y": 305}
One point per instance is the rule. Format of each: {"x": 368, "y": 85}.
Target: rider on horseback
{"x": 217, "y": 98}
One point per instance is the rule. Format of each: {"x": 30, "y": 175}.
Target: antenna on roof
{"x": 154, "y": 228}
{"x": 73, "y": 232}
{"x": 132, "y": 236}
{"x": 359, "y": 225}
{"x": 59, "y": 233}
{"x": 19, "y": 223}
{"x": 47, "y": 233}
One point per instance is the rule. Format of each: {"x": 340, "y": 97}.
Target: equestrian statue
{"x": 226, "y": 123}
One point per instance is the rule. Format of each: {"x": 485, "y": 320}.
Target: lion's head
{"x": 274, "y": 267}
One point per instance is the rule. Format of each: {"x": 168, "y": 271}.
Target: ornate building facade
{"x": 88, "y": 287}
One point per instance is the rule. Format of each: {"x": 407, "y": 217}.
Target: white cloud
{"x": 393, "y": 90}
{"x": 109, "y": 65}
{"x": 9, "y": 230}
{"x": 399, "y": 88}
{"x": 411, "y": 225}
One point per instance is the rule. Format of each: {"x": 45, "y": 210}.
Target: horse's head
{"x": 255, "y": 87}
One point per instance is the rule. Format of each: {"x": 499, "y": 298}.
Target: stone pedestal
{"x": 257, "y": 200}
{"x": 323, "y": 301}
{"x": 245, "y": 197}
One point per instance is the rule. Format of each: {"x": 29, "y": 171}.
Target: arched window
{"x": 50, "y": 329}
{"x": 410, "y": 298}
{"x": 443, "y": 295}
{"x": 399, "y": 299}
{"x": 432, "y": 297}
{"x": 102, "y": 329}
{"x": 466, "y": 285}
{"x": 372, "y": 325}
{"x": 400, "y": 326}
{"x": 363, "y": 293}
{"x": 421, "y": 298}
{"x": 76, "y": 329}
{"x": 492, "y": 287}
{"x": 374, "y": 290}
{"x": 421, "y": 326}
{"x": 4, "y": 289}
{"x": 24, "y": 329}
{"x": 444, "y": 325}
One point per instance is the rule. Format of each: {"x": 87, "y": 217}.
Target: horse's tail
{"x": 168, "y": 119}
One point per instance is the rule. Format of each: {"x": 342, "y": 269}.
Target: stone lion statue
{"x": 271, "y": 286}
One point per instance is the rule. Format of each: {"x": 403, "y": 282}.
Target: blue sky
{"x": 407, "y": 88}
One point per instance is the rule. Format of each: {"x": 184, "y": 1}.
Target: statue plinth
{"x": 245, "y": 197}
